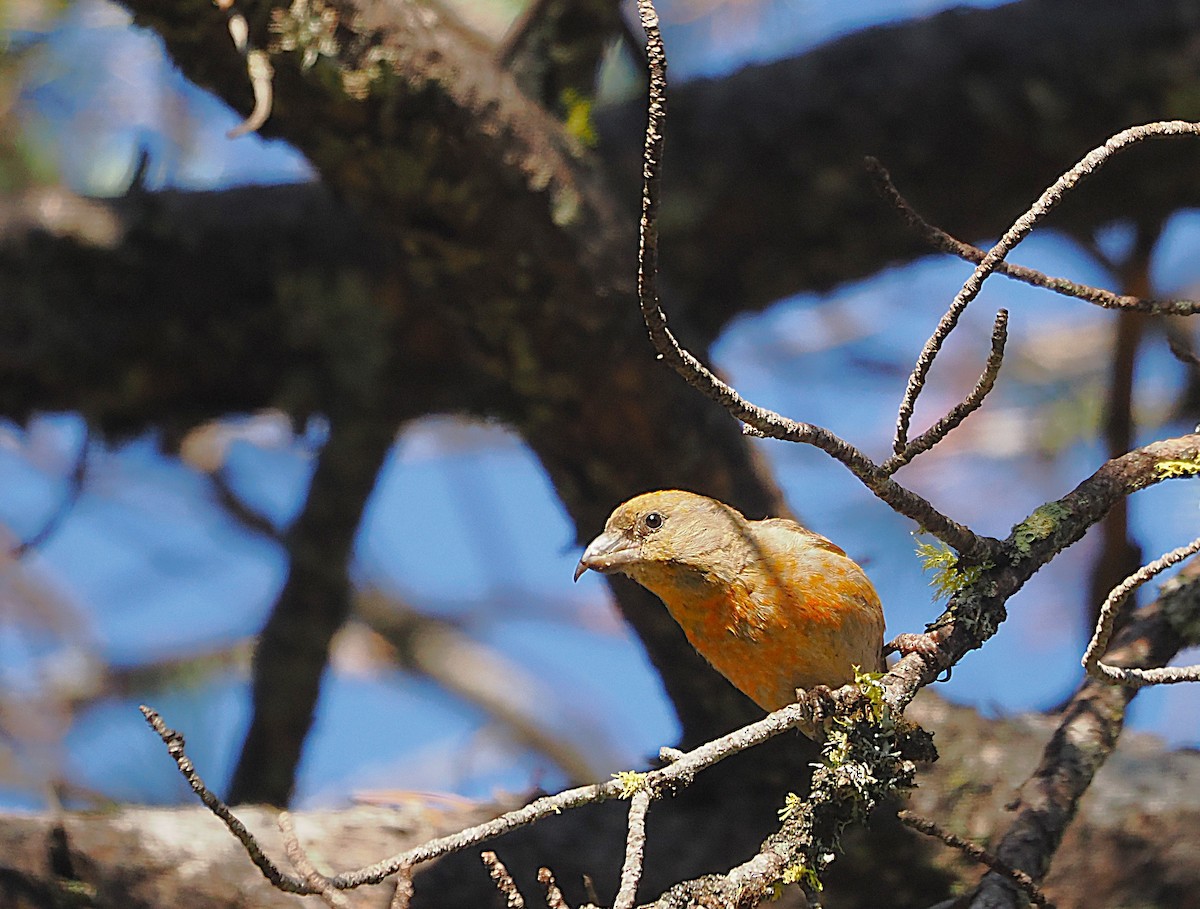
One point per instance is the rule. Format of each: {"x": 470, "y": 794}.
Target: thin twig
{"x": 759, "y": 420}
{"x": 977, "y": 853}
{"x": 175, "y": 747}
{"x": 504, "y": 882}
{"x": 554, "y": 896}
{"x": 635, "y": 850}
{"x": 1020, "y": 229}
{"x": 681, "y": 771}
{"x": 969, "y": 404}
{"x": 403, "y": 894}
{"x": 1133, "y": 676}
{"x": 939, "y": 239}
{"x": 303, "y": 864}
{"x": 258, "y": 68}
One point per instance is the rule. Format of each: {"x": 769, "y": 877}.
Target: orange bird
{"x": 772, "y": 606}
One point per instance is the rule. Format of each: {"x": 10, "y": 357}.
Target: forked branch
{"x": 939, "y": 239}
{"x": 991, "y": 261}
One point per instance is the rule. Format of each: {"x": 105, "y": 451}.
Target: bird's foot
{"x": 925, "y": 644}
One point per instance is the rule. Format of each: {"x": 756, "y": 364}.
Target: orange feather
{"x": 772, "y": 606}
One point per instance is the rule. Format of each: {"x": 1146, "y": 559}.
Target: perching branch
{"x": 679, "y": 773}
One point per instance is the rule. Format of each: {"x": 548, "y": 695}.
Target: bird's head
{"x": 670, "y": 532}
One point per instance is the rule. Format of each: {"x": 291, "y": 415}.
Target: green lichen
{"x": 631, "y": 782}
{"x": 1038, "y": 526}
{"x": 949, "y": 576}
{"x": 792, "y": 804}
{"x": 800, "y": 873}
{"x": 577, "y": 119}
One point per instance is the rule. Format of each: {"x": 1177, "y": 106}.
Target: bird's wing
{"x": 774, "y": 526}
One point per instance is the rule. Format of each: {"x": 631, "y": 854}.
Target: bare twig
{"x": 258, "y": 68}
{"x": 939, "y": 239}
{"x": 554, "y": 896}
{"x": 978, "y": 854}
{"x": 1133, "y": 676}
{"x": 635, "y": 850}
{"x": 303, "y": 864}
{"x": 403, "y": 894}
{"x": 759, "y": 420}
{"x": 504, "y": 882}
{"x": 175, "y": 747}
{"x": 969, "y": 404}
{"x": 1020, "y": 229}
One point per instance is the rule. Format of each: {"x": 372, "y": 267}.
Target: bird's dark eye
{"x": 654, "y": 520}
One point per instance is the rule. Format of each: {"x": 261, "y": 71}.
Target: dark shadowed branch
{"x": 1091, "y": 724}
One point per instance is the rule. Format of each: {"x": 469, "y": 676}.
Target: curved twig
{"x": 1020, "y": 229}
{"x": 969, "y": 404}
{"x": 759, "y": 420}
{"x": 1136, "y": 677}
{"x": 939, "y": 239}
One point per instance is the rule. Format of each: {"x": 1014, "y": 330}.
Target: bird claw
{"x": 821, "y": 702}
{"x": 925, "y": 644}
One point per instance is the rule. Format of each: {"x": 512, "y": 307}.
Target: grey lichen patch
{"x": 862, "y": 764}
